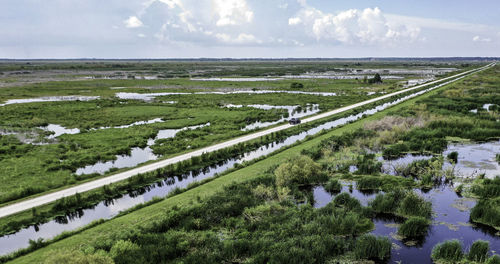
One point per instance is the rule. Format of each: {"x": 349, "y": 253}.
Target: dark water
{"x": 109, "y": 209}
{"x": 450, "y": 221}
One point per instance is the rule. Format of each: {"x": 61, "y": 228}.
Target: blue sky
{"x": 248, "y": 28}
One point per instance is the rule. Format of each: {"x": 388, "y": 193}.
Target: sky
{"x": 248, "y": 28}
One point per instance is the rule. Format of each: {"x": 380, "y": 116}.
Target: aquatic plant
{"x": 369, "y": 183}
{"x": 333, "y": 186}
{"x": 368, "y": 165}
{"x": 414, "y": 205}
{"x": 486, "y": 212}
{"x": 450, "y": 251}
{"x": 479, "y": 251}
{"x": 414, "y": 227}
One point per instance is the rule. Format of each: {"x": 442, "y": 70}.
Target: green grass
{"x": 190, "y": 198}
{"x": 414, "y": 227}
{"x": 449, "y": 251}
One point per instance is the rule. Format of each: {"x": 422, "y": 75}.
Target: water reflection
{"x": 50, "y": 99}
{"x": 450, "y": 221}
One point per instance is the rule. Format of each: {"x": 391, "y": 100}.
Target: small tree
{"x": 301, "y": 170}
{"x": 375, "y": 79}
{"x": 296, "y": 85}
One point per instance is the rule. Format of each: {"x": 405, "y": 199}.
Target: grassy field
{"x": 53, "y": 165}
{"x": 192, "y": 197}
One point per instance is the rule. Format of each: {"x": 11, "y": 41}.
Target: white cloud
{"x": 232, "y": 12}
{"x": 294, "y": 21}
{"x": 242, "y": 38}
{"x": 479, "y": 39}
{"x": 141, "y": 35}
{"x": 133, "y": 22}
{"x": 172, "y": 3}
{"x": 368, "y": 26}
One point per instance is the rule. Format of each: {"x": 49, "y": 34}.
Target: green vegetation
{"x": 373, "y": 248}
{"x": 300, "y": 170}
{"x": 402, "y": 203}
{"x": 479, "y": 251}
{"x": 451, "y": 252}
{"x": 333, "y": 186}
{"x": 487, "y": 209}
{"x": 453, "y": 157}
{"x": 448, "y": 251}
{"x": 414, "y": 227}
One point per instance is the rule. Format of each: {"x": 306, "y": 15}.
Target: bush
{"x": 448, "y": 251}
{"x": 414, "y": 227}
{"x": 333, "y": 186}
{"x": 296, "y": 85}
{"x": 368, "y": 165}
{"x": 346, "y": 201}
{"x": 301, "y": 170}
{"x": 453, "y": 157}
{"x": 373, "y": 248}
{"x": 369, "y": 183}
{"x": 126, "y": 252}
{"x": 479, "y": 251}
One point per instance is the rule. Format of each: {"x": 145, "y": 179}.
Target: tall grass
{"x": 414, "y": 227}
{"x": 373, "y": 248}
{"x": 333, "y": 186}
{"x": 414, "y": 205}
{"x": 479, "y": 251}
{"x": 450, "y": 251}
{"x": 402, "y": 203}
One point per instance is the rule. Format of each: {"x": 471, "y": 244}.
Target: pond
{"x": 50, "y": 99}
{"x": 473, "y": 160}
{"x": 450, "y": 221}
{"x": 137, "y": 155}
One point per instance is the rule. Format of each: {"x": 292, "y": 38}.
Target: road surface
{"x": 51, "y": 197}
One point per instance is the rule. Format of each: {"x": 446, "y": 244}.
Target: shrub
{"x": 296, "y": 85}
{"x": 369, "y": 183}
{"x": 372, "y": 247}
{"x": 448, "y": 251}
{"x": 301, "y": 170}
{"x": 414, "y": 227}
{"x": 367, "y": 164}
{"x": 346, "y": 201}
{"x": 479, "y": 251}
{"x": 126, "y": 252}
{"x": 453, "y": 157}
{"x": 333, "y": 186}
